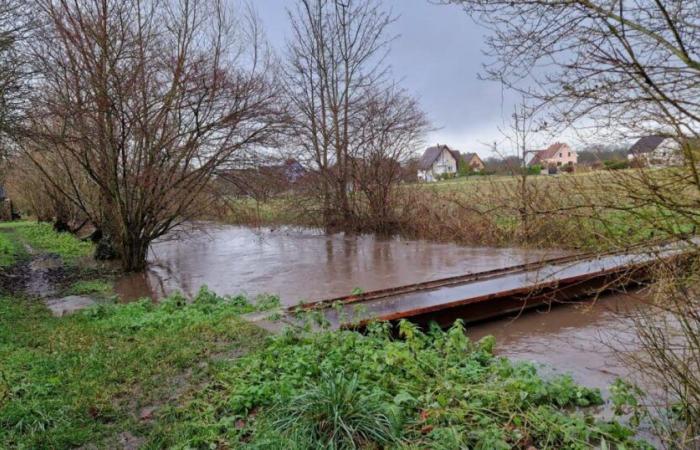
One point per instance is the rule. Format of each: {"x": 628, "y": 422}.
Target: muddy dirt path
{"x": 43, "y": 276}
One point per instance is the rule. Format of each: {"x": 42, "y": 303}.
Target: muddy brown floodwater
{"x": 304, "y": 264}
{"x": 582, "y": 339}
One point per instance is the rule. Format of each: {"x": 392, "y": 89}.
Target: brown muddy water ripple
{"x": 305, "y": 265}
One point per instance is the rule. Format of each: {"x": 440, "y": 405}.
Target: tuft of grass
{"x": 336, "y": 413}
{"x": 87, "y": 287}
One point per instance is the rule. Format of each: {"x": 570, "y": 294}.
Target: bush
{"x": 616, "y": 164}
{"x": 534, "y": 170}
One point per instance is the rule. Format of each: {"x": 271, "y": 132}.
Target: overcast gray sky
{"x": 437, "y": 56}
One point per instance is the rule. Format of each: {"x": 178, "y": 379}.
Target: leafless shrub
{"x": 149, "y": 99}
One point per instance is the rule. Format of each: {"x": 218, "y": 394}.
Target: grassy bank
{"x": 77, "y": 272}
{"x": 43, "y": 238}
{"x": 65, "y": 382}
{"x": 591, "y": 211}
{"x": 179, "y": 375}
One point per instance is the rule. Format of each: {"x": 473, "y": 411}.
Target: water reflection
{"x": 306, "y": 265}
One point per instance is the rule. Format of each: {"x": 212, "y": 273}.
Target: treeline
{"x": 134, "y": 110}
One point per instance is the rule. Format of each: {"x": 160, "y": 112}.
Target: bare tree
{"x": 622, "y": 68}
{"x": 16, "y": 24}
{"x": 391, "y": 125}
{"x": 149, "y": 98}
{"x": 337, "y": 83}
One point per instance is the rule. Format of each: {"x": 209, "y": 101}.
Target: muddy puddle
{"x": 304, "y": 265}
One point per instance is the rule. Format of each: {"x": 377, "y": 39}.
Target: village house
{"x": 473, "y": 162}
{"x": 441, "y": 160}
{"x": 556, "y": 155}
{"x": 656, "y": 151}
{"x": 437, "y": 161}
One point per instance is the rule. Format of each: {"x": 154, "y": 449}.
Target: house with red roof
{"x": 558, "y": 154}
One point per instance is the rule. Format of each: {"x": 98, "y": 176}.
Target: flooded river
{"x": 305, "y": 265}
{"x": 577, "y": 339}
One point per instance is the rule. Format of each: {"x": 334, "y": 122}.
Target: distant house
{"x": 472, "y": 161}
{"x": 437, "y": 161}
{"x": 558, "y": 154}
{"x": 656, "y": 150}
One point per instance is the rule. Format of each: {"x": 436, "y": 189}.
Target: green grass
{"x": 41, "y": 236}
{"x": 87, "y": 287}
{"x": 9, "y": 249}
{"x": 65, "y": 382}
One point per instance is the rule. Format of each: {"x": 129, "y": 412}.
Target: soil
{"x": 45, "y": 276}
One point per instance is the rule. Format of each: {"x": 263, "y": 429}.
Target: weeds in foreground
{"x": 343, "y": 389}
{"x": 336, "y": 413}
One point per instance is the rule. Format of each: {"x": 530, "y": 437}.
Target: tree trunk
{"x": 133, "y": 254}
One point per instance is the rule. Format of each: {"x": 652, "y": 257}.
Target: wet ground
{"x": 305, "y": 265}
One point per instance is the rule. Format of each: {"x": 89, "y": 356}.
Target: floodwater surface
{"x": 305, "y": 265}
{"x": 585, "y": 339}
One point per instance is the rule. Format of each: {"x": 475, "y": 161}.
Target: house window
{"x": 560, "y": 155}
{"x": 569, "y": 154}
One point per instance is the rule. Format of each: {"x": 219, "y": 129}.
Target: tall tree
{"x": 16, "y": 24}
{"x": 335, "y": 74}
{"x": 147, "y": 99}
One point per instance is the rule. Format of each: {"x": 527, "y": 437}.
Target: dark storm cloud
{"x": 437, "y": 56}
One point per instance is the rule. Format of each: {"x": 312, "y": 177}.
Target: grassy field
{"x": 591, "y": 211}
{"x": 195, "y": 375}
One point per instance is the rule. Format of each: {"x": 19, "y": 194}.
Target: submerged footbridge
{"x": 482, "y": 295}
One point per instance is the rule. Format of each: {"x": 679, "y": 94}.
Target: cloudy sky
{"x": 437, "y": 55}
